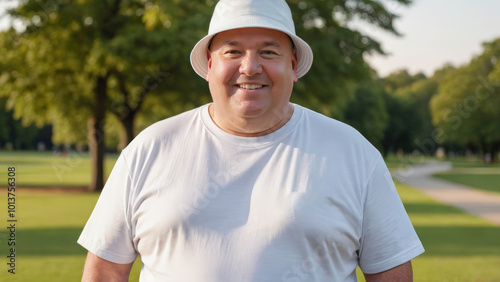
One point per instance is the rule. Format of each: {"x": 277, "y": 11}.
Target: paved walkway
{"x": 476, "y": 202}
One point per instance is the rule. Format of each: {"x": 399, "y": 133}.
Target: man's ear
{"x": 294, "y": 65}
{"x": 209, "y": 65}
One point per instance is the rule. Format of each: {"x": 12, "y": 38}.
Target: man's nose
{"x": 250, "y": 64}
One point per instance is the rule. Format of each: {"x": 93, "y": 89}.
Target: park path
{"x": 476, "y": 202}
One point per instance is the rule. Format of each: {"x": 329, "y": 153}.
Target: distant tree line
{"x": 16, "y": 136}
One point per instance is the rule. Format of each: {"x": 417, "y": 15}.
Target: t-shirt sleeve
{"x": 388, "y": 237}
{"x": 107, "y": 233}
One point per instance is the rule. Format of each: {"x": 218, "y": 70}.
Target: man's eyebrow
{"x": 264, "y": 44}
{"x": 271, "y": 43}
{"x": 230, "y": 43}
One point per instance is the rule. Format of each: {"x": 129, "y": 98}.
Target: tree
{"x": 399, "y": 82}
{"x": 367, "y": 112}
{"x": 465, "y": 110}
{"x": 339, "y": 66}
{"x": 402, "y": 123}
{"x": 79, "y": 59}
{"x": 13, "y": 135}
{"x": 405, "y": 120}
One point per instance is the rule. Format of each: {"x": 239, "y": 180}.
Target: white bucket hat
{"x": 233, "y": 14}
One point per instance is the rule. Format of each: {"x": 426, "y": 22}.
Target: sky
{"x": 435, "y": 32}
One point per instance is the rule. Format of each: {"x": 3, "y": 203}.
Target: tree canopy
{"x": 465, "y": 109}
{"x": 86, "y": 65}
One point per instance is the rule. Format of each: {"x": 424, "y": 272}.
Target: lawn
{"x": 394, "y": 162}
{"x": 474, "y": 174}
{"x": 46, "y": 169}
{"x": 459, "y": 247}
{"x": 47, "y": 229}
{"x": 488, "y": 182}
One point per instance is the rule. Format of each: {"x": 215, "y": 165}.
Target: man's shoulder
{"x": 169, "y": 129}
{"x": 330, "y": 127}
{"x": 335, "y": 136}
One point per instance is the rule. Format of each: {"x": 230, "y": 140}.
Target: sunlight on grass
{"x": 55, "y": 210}
{"x": 446, "y": 220}
{"x": 402, "y": 162}
{"x": 448, "y": 268}
{"x": 459, "y": 247}
{"x": 424, "y": 211}
{"x": 54, "y": 268}
{"x": 488, "y": 182}
{"x": 43, "y": 168}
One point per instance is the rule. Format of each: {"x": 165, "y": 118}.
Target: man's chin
{"x": 251, "y": 110}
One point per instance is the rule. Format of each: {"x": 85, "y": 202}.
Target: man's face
{"x": 251, "y": 72}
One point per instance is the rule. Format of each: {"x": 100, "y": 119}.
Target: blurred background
{"x": 414, "y": 77}
{"x": 79, "y": 79}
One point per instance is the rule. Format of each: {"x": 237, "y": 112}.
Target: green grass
{"x": 488, "y": 182}
{"x": 459, "y": 247}
{"x": 47, "y": 229}
{"x": 473, "y": 173}
{"x": 471, "y": 162}
{"x": 401, "y": 162}
{"x": 45, "y": 169}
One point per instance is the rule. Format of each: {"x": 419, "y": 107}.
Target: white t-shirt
{"x": 307, "y": 202}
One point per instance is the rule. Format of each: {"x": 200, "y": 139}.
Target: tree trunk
{"x": 495, "y": 149}
{"x": 127, "y": 134}
{"x": 96, "y": 135}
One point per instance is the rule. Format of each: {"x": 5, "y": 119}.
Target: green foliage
{"x": 77, "y": 60}
{"x": 398, "y": 82}
{"x": 144, "y": 47}
{"x": 53, "y": 65}
{"x": 42, "y": 77}
{"x": 401, "y": 127}
{"x": 13, "y": 135}
{"x": 339, "y": 65}
{"x": 466, "y": 106}
{"x": 367, "y": 112}
{"x": 406, "y": 98}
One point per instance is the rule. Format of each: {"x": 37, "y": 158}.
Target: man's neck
{"x": 253, "y": 128}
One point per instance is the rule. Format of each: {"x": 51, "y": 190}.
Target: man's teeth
{"x": 251, "y": 86}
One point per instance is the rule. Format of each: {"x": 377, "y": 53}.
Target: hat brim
{"x": 199, "y": 60}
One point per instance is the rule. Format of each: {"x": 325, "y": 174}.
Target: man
{"x": 250, "y": 187}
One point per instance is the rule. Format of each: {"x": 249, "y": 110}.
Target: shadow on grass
{"x": 487, "y": 182}
{"x": 437, "y": 240}
{"x": 460, "y": 240}
{"x": 430, "y": 208}
{"x": 21, "y": 162}
{"x": 454, "y": 240}
{"x": 47, "y": 241}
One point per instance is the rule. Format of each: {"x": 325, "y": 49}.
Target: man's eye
{"x": 268, "y": 52}
{"x": 233, "y": 52}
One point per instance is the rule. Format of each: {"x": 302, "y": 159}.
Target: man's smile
{"x": 250, "y": 86}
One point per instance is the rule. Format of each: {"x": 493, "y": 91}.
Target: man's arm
{"x": 98, "y": 269}
{"x": 400, "y": 273}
